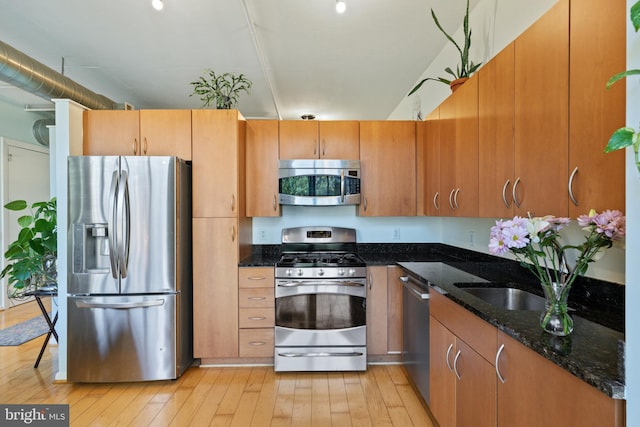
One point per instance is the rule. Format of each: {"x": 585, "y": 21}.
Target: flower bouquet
{"x": 535, "y": 243}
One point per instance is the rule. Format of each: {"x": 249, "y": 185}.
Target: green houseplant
{"x": 32, "y": 256}
{"x": 221, "y": 90}
{"x": 466, "y": 67}
{"x": 626, "y": 136}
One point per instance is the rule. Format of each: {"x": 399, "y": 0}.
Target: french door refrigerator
{"x": 129, "y": 270}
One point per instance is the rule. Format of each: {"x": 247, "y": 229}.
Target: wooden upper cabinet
{"x": 218, "y": 153}
{"x": 598, "y": 51}
{"x": 262, "y": 168}
{"x": 465, "y": 197}
{"x": 447, "y": 149}
{"x": 310, "y": 139}
{"x": 339, "y": 140}
{"x": 496, "y": 135}
{"x": 541, "y": 114}
{"x": 111, "y": 132}
{"x": 388, "y": 168}
{"x": 165, "y": 133}
{"x": 137, "y": 132}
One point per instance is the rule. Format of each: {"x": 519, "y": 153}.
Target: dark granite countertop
{"x": 590, "y": 352}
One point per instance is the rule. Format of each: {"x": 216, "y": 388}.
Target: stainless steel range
{"x": 320, "y": 292}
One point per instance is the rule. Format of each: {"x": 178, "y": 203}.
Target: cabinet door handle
{"x": 233, "y": 233}
{"x": 455, "y": 366}
{"x": 504, "y": 191}
{"x": 233, "y": 203}
{"x": 514, "y": 193}
{"x": 500, "y": 377}
{"x": 573, "y": 175}
{"x": 370, "y": 280}
{"x": 324, "y": 146}
{"x": 365, "y": 204}
{"x": 451, "y": 198}
{"x": 135, "y": 146}
{"x": 275, "y": 203}
{"x": 455, "y": 198}
{"x": 435, "y": 200}
{"x": 447, "y": 357}
{"x": 145, "y": 146}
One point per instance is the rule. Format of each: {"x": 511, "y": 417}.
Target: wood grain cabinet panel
{"x": 388, "y": 168}
{"x": 319, "y": 139}
{"x": 542, "y": 114}
{"x": 598, "y": 51}
{"x": 256, "y": 342}
{"x": 137, "y": 132}
{"x": 262, "y": 168}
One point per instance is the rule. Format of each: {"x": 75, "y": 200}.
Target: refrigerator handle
{"x": 111, "y": 233}
{"x": 120, "y": 305}
{"x": 123, "y": 225}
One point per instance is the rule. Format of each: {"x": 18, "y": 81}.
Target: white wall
{"x": 633, "y": 237}
{"x": 494, "y": 24}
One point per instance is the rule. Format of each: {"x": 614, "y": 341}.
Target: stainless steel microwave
{"x": 308, "y": 182}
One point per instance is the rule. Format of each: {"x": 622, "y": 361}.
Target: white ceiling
{"x": 301, "y": 56}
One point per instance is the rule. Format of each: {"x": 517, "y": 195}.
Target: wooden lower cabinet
{"x": 536, "y": 392}
{"x": 462, "y": 385}
{"x": 384, "y": 311}
{"x": 465, "y": 389}
{"x": 256, "y": 312}
{"x": 215, "y": 288}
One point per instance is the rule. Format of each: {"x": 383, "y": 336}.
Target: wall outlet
{"x": 262, "y": 235}
{"x": 396, "y": 233}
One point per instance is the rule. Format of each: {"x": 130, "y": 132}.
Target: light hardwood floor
{"x": 229, "y": 396}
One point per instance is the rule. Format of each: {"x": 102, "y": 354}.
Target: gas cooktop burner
{"x": 320, "y": 259}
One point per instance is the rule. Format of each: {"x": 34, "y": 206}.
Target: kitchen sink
{"x": 508, "y": 298}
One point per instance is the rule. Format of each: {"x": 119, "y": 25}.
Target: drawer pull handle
{"x": 257, "y": 343}
{"x": 256, "y": 278}
{"x": 257, "y": 318}
{"x": 500, "y": 377}
{"x": 256, "y": 298}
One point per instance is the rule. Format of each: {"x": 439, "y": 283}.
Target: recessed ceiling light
{"x": 157, "y": 4}
{"x": 308, "y": 117}
{"x": 341, "y": 6}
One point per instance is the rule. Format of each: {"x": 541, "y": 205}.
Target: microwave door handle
{"x": 342, "y": 195}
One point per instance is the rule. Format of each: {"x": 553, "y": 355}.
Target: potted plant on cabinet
{"x": 32, "y": 256}
{"x": 626, "y": 136}
{"x": 221, "y": 90}
{"x": 466, "y": 67}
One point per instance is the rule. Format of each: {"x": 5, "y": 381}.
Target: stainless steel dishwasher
{"x": 415, "y": 322}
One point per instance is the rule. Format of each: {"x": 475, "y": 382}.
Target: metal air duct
{"x": 32, "y": 76}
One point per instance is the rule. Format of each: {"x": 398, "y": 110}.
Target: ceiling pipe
{"x": 26, "y": 73}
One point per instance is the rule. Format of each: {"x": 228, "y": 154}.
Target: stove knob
{"x": 352, "y": 272}
{"x": 341, "y": 272}
{"x": 321, "y": 272}
{"x": 299, "y": 272}
{"x": 289, "y": 272}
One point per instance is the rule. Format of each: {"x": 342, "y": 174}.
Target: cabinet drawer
{"x": 256, "y": 297}
{"x": 256, "y": 342}
{"x": 477, "y": 333}
{"x": 257, "y": 317}
{"x": 256, "y": 277}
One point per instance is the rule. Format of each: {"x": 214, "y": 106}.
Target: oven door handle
{"x": 321, "y": 283}
{"x": 323, "y": 354}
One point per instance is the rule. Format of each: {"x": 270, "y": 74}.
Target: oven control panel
{"x": 320, "y": 272}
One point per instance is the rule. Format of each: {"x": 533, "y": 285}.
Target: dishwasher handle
{"x": 412, "y": 285}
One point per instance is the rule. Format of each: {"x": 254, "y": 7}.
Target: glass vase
{"x": 555, "y": 319}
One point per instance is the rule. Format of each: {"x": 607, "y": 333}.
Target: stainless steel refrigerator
{"x": 129, "y": 268}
